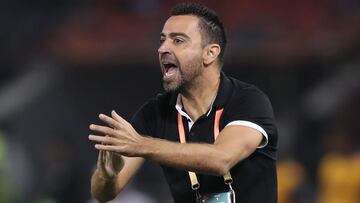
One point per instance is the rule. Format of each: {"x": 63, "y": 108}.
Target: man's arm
{"x": 234, "y": 144}
{"x": 113, "y": 172}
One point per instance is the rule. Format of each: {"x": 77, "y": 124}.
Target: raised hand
{"x": 120, "y": 137}
{"x": 109, "y": 164}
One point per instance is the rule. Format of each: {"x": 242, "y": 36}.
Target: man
{"x": 199, "y": 94}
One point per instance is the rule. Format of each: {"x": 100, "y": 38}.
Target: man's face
{"x": 180, "y": 52}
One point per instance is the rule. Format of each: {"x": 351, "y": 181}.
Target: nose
{"x": 164, "y": 48}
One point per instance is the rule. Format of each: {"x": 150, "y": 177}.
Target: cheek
{"x": 189, "y": 56}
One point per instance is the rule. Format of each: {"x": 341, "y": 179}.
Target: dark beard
{"x": 186, "y": 80}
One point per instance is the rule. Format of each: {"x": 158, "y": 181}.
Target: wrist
{"x": 147, "y": 146}
{"x": 142, "y": 148}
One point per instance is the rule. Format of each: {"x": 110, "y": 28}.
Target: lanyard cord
{"x": 193, "y": 178}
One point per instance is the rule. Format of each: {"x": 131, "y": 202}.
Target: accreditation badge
{"x": 221, "y": 197}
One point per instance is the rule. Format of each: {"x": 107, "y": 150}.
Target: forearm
{"x": 202, "y": 158}
{"x": 216, "y": 159}
{"x": 103, "y": 189}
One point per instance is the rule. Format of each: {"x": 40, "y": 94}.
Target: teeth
{"x": 168, "y": 65}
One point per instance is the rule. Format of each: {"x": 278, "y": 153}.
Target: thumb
{"x": 101, "y": 160}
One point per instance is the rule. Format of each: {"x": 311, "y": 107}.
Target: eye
{"x": 178, "y": 41}
{"x": 161, "y": 41}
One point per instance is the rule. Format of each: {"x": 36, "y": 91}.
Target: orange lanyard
{"x": 216, "y": 126}
{"x": 193, "y": 178}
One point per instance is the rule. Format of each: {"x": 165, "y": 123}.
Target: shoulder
{"x": 159, "y": 103}
{"x": 150, "y": 114}
{"x": 246, "y": 92}
{"x": 247, "y": 102}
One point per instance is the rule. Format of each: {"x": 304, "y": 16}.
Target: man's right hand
{"x": 109, "y": 164}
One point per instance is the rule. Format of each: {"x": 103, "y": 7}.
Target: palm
{"x": 109, "y": 163}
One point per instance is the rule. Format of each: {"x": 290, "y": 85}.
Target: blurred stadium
{"x": 63, "y": 62}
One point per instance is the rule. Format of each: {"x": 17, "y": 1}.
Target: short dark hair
{"x": 210, "y": 26}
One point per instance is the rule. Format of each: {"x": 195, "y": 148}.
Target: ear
{"x": 211, "y": 52}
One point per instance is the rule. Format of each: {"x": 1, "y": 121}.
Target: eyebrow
{"x": 175, "y": 34}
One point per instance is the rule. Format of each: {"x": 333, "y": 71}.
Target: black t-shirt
{"x": 254, "y": 178}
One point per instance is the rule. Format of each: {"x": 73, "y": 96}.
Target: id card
{"x": 222, "y": 197}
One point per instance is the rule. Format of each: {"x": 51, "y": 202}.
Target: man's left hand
{"x": 121, "y": 136}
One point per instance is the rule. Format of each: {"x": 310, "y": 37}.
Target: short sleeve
{"x": 250, "y": 107}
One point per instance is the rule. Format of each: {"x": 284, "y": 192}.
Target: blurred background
{"x": 64, "y": 62}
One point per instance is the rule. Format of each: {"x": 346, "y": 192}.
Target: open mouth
{"x": 169, "y": 69}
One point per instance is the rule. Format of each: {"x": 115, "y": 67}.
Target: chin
{"x": 169, "y": 87}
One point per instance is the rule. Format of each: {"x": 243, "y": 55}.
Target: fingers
{"x": 100, "y": 156}
{"x": 101, "y": 160}
{"x": 106, "y": 147}
{"x": 107, "y": 143}
{"x": 104, "y": 140}
{"x": 115, "y": 121}
{"x": 110, "y": 121}
{"x": 108, "y": 156}
{"x": 118, "y": 118}
{"x": 103, "y": 129}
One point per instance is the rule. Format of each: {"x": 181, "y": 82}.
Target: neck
{"x": 198, "y": 98}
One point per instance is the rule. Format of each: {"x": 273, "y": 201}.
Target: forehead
{"x": 186, "y": 24}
